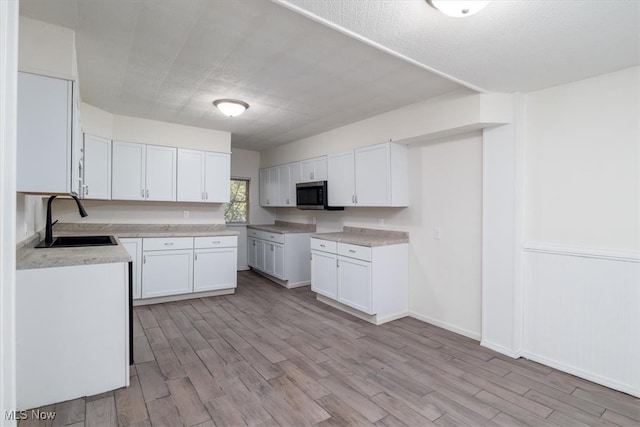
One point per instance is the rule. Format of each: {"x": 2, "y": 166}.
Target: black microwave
{"x": 313, "y": 196}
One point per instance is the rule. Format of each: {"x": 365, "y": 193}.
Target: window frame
{"x": 247, "y": 200}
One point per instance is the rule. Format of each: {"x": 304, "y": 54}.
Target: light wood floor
{"x": 270, "y": 356}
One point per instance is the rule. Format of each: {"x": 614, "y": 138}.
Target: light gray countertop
{"x": 283, "y": 227}
{"x": 28, "y": 257}
{"x": 365, "y": 236}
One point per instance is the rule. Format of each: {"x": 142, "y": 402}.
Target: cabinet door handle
{"x": 147, "y": 193}
{"x": 144, "y": 259}
{"x": 254, "y": 243}
{"x": 195, "y": 256}
{"x": 142, "y": 193}
{"x": 356, "y": 198}
{"x": 86, "y": 190}
{"x": 206, "y": 195}
{"x": 168, "y": 244}
{"x": 337, "y": 263}
{"x": 352, "y": 251}
{"x": 271, "y": 248}
{"x": 353, "y": 198}
{"x": 216, "y": 242}
{"x": 323, "y": 246}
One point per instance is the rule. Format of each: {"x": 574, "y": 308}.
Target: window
{"x": 237, "y": 210}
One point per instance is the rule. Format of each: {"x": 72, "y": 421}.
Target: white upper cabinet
{"x": 313, "y": 169}
{"x": 96, "y": 168}
{"x": 375, "y": 175}
{"x": 203, "y": 176}
{"x": 161, "y": 173}
{"x": 269, "y": 187}
{"x": 217, "y": 184}
{"x": 143, "y": 172}
{"x": 190, "y": 175}
{"x": 341, "y": 179}
{"x": 45, "y": 136}
{"x": 128, "y": 171}
{"x": 288, "y": 176}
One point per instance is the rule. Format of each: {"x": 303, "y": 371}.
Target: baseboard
{"x": 625, "y": 388}
{"x": 371, "y": 318}
{"x": 444, "y": 325}
{"x": 182, "y": 297}
{"x": 501, "y": 349}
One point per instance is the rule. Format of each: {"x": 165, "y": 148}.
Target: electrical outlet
{"x": 437, "y": 233}
{"x": 186, "y": 214}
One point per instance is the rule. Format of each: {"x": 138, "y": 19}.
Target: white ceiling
{"x": 168, "y": 59}
{"x": 510, "y": 46}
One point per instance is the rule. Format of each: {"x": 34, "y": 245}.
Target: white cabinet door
{"x": 252, "y": 252}
{"x": 161, "y": 173}
{"x": 217, "y": 177}
{"x": 167, "y": 273}
{"x": 278, "y": 261}
{"x": 96, "y": 168}
{"x": 306, "y": 170}
{"x": 214, "y": 269}
{"x": 269, "y": 258}
{"x": 44, "y": 134}
{"x": 190, "y": 175}
{"x": 294, "y": 178}
{"x": 134, "y": 247}
{"x": 373, "y": 175}
{"x": 128, "y": 171}
{"x": 77, "y": 144}
{"x": 320, "y": 168}
{"x": 261, "y": 248}
{"x": 284, "y": 179}
{"x": 324, "y": 277}
{"x": 264, "y": 187}
{"x": 340, "y": 179}
{"x": 313, "y": 169}
{"x": 354, "y": 284}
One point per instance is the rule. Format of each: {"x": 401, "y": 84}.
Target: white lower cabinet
{"x": 372, "y": 280}
{"x": 324, "y": 277}
{"x": 167, "y": 273}
{"x": 284, "y": 258}
{"x": 215, "y": 263}
{"x": 179, "y": 266}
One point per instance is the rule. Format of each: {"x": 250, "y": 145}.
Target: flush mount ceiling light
{"x": 231, "y": 107}
{"x": 458, "y": 9}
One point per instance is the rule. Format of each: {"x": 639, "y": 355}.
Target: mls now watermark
{"x": 34, "y": 414}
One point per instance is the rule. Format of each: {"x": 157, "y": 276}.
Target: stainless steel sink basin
{"x": 79, "y": 241}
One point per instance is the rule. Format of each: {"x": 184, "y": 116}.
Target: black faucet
{"x": 48, "y": 236}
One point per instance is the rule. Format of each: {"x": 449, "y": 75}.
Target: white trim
{"x": 8, "y": 124}
{"x": 581, "y": 251}
{"x": 607, "y": 382}
{"x": 375, "y": 45}
{"x": 520, "y": 108}
{"x": 371, "y": 318}
{"x": 500, "y": 349}
{"x": 445, "y": 325}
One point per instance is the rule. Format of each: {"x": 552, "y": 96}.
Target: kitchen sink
{"x": 79, "y": 241}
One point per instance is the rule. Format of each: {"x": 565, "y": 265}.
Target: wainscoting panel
{"x": 582, "y": 313}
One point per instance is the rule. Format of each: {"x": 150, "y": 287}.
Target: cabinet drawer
{"x": 167, "y": 243}
{"x": 252, "y": 232}
{"x": 215, "y": 242}
{"x": 354, "y": 251}
{"x": 323, "y": 245}
{"x": 265, "y": 235}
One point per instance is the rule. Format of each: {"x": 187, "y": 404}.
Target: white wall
{"x": 8, "y": 111}
{"x": 445, "y": 178}
{"x": 582, "y": 229}
{"x": 583, "y": 163}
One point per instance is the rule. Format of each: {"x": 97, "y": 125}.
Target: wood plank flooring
{"x": 268, "y": 356}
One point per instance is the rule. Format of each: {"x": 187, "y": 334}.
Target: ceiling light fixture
{"x": 458, "y": 9}
{"x": 231, "y": 107}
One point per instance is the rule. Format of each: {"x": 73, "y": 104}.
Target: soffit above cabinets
{"x": 168, "y": 60}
